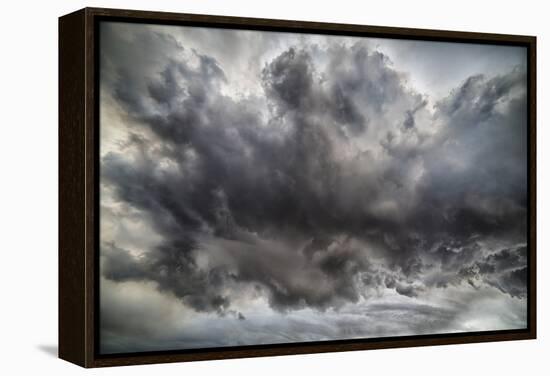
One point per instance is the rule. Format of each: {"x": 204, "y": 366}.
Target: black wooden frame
{"x": 79, "y": 181}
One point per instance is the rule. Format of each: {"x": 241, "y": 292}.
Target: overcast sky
{"x": 261, "y": 187}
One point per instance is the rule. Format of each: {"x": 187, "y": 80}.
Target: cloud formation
{"x": 330, "y": 184}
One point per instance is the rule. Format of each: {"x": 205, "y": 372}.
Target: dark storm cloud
{"x": 409, "y": 121}
{"x": 289, "y": 79}
{"x": 173, "y": 270}
{"x": 278, "y": 204}
{"x": 505, "y": 270}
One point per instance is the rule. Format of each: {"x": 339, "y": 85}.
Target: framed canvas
{"x": 235, "y": 187}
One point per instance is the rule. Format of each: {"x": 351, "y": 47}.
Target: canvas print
{"x": 261, "y": 187}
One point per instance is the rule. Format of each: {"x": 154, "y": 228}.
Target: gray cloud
{"x": 505, "y": 270}
{"x": 162, "y": 323}
{"x": 333, "y": 185}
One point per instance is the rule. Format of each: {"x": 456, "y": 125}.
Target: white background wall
{"x": 28, "y": 186}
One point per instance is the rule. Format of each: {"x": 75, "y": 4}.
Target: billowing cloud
{"x": 329, "y": 184}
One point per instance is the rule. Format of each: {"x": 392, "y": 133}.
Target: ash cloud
{"x": 334, "y": 184}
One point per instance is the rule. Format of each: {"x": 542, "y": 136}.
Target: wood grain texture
{"x": 79, "y": 179}
{"x": 308, "y": 26}
{"x": 91, "y": 189}
{"x": 72, "y": 288}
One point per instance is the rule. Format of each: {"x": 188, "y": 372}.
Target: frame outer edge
{"x": 344, "y": 28}
{"x": 78, "y": 177}
{"x": 90, "y": 183}
{"x": 71, "y": 251}
{"x": 533, "y": 186}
